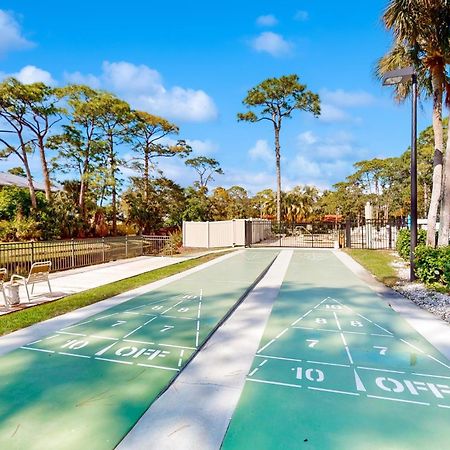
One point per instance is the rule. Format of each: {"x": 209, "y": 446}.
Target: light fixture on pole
{"x": 389, "y": 79}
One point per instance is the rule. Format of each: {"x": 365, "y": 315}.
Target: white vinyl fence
{"x": 226, "y": 233}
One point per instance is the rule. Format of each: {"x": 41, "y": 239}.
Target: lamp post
{"x": 389, "y": 79}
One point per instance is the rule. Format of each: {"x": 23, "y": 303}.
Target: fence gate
{"x": 371, "y": 234}
{"x": 289, "y": 234}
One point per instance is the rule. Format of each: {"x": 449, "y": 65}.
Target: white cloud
{"x": 347, "y": 99}
{"x": 330, "y": 113}
{"x": 32, "y": 74}
{"x": 79, "y": 78}
{"x": 143, "y": 88}
{"x": 301, "y": 16}
{"x": 262, "y": 151}
{"x": 11, "y": 37}
{"x": 308, "y": 137}
{"x": 200, "y": 147}
{"x": 267, "y": 21}
{"x": 271, "y": 43}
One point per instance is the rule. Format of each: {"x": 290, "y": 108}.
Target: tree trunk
{"x": 30, "y": 180}
{"x": 112, "y": 161}
{"x": 45, "y": 172}
{"x": 278, "y": 166}
{"x": 444, "y": 226}
{"x": 83, "y": 188}
{"x": 436, "y": 190}
{"x": 146, "y": 173}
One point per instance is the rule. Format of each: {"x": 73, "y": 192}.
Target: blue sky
{"x": 193, "y": 63}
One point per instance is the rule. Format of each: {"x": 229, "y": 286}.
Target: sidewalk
{"x": 78, "y": 280}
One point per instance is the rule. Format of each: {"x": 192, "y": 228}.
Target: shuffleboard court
{"x": 86, "y": 385}
{"x": 338, "y": 369}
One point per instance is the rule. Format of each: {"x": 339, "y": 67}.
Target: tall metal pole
{"x": 412, "y": 275}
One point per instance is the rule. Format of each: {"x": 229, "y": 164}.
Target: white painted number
{"x": 157, "y": 307}
{"x": 312, "y": 342}
{"x": 321, "y": 320}
{"x": 190, "y": 297}
{"x": 356, "y": 323}
{"x": 383, "y": 350}
{"x": 310, "y": 374}
{"x": 166, "y": 328}
{"x": 119, "y": 322}
{"x": 75, "y": 344}
{"x": 183, "y": 310}
{"x": 327, "y": 306}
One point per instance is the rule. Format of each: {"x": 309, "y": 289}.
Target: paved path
{"x": 78, "y": 280}
{"x": 337, "y": 368}
{"x": 85, "y": 385}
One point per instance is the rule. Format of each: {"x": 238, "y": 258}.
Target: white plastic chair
{"x": 39, "y": 273}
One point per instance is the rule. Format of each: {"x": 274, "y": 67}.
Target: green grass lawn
{"x": 26, "y": 317}
{"x": 377, "y": 262}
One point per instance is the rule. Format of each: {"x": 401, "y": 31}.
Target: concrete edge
{"x": 432, "y": 328}
{"x": 20, "y": 337}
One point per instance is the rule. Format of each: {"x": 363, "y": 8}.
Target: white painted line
{"x": 136, "y": 329}
{"x": 437, "y": 360}
{"x": 104, "y": 317}
{"x": 281, "y": 334}
{"x": 379, "y": 370}
{"x": 76, "y": 325}
{"x": 179, "y": 317}
{"x": 38, "y": 349}
{"x": 428, "y": 375}
{"x": 253, "y": 372}
{"x": 346, "y": 348}
{"x": 73, "y": 354}
{"x": 274, "y": 382}
{"x": 328, "y": 364}
{"x": 317, "y": 329}
{"x": 104, "y": 337}
{"x": 150, "y": 320}
{"x": 35, "y": 342}
{"x": 134, "y": 341}
{"x": 173, "y": 306}
{"x": 300, "y": 318}
{"x": 197, "y": 333}
{"x": 115, "y": 361}
{"x": 279, "y": 357}
{"x": 158, "y": 367}
{"x": 177, "y": 346}
{"x": 412, "y": 346}
{"x": 359, "y": 384}
{"x": 372, "y": 322}
{"x": 137, "y": 314}
{"x": 104, "y": 350}
{"x": 444, "y": 406}
{"x": 263, "y": 363}
{"x": 72, "y": 334}
{"x": 398, "y": 400}
{"x": 267, "y": 345}
{"x": 337, "y": 321}
{"x": 332, "y": 390}
{"x": 51, "y": 337}
{"x": 180, "y": 361}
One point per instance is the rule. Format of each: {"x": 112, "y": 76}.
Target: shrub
{"x": 20, "y": 229}
{"x": 433, "y": 264}
{"x": 404, "y": 240}
{"x": 173, "y": 244}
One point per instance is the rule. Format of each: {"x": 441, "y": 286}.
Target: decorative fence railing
{"x": 370, "y": 234}
{"x": 18, "y": 257}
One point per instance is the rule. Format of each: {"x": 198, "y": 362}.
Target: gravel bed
{"x": 434, "y": 302}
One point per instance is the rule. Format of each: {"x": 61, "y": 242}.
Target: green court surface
{"x": 86, "y": 385}
{"x": 338, "y": 369}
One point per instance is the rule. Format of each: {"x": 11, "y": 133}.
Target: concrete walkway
{"x": 78, "y": 280}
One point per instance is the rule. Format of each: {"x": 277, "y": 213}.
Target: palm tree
{"x": 420, "y": 29}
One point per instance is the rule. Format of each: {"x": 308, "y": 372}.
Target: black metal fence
{"x": 18, "y": 257}
{"x": 371, "y": 234}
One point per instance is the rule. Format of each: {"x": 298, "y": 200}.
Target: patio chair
{"x": 3, "y": 272}
{"x": 39, "y": 273}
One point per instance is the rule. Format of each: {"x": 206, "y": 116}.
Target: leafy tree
{"x": 197, "y": 205}
{"x": 147, "y": 131}
{"x": 205, "y": 168}
{"x": 421, "y": 31}
{"x": 17, "y": 171}
{"x": 275, "y": 99}
{"x": 264, "y": 203}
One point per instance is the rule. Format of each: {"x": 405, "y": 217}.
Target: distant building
{"x": 7, "y": 179}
